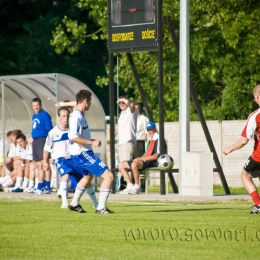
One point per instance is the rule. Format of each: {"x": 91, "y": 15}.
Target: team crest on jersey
{"x": 61, "y": 170}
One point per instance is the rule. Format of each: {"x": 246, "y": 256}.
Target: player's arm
{"x": 66, "y": 104}
{"x": 83, "y": 141}
{"x": 237, "y": 145}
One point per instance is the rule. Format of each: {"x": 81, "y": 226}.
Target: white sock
{"x": 31, "y": 184}
{"x": 9, "y": 182}
{"x": 103, "y": 196}
{"x": 25, "y": 182}
{"x": 137, "y": 186}
{"x": 4, "y": 179}
{"x": 130, "y": 185}
{"x": 36, "y": 183}
{"x": 18, "y": 182}
{"x": 77, "y": 195}
{"x": 91, "y": 192}
{"x": 64, "y": 191}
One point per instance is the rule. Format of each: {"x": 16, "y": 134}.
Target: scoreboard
{"x": 132, "y": 25}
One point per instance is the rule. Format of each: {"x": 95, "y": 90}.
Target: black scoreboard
{"x": 132, "y": 25}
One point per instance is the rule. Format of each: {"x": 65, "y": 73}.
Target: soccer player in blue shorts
{"x": 57, "y": 143}
{"x": 84, "y": 160}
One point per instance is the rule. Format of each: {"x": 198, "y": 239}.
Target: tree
{"x": 224, "y": 51}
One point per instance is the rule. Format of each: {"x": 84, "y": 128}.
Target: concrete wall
{"x": 223, "y": 134}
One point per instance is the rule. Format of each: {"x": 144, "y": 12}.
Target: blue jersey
{"x": 41, "y": 124}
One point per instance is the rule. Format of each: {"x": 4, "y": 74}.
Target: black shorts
{"x": 37, "y": 148}
{"x": 252, "y": 167}
{"x": 146, "y": 164}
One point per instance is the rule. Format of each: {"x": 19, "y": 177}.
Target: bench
{"x": 146, "y": 173}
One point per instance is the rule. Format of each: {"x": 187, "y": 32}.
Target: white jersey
{"x": 78, "y": 126}
{"x": 27, "y": 152}
{"x": 15, "y": 150}
{"x": 57, "y": 142}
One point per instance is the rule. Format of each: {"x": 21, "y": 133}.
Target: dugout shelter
{"x": 17, "y": 92}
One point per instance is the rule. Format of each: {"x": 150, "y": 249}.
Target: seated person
{"x": 13, "y": 160}
{"x": 23, "y": 174}
{"x": 148, "y": 159}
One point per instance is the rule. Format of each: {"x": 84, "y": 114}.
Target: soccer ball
{"x": 165, "y": 162}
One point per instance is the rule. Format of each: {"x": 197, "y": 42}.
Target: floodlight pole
{"x": 112, "y": 113}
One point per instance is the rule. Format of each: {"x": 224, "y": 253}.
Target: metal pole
{"x": 112, "y": 115}
{"x": 3, "y": 124}
{"x": 161, "y": 92}
{"x": 139, "y": 86}
{"x": 200, "y": 115}
{"x": 57, "y": 93}
{"x": 184, "y": 89}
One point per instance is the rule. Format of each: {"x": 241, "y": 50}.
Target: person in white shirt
{"x": 141, "y": 133}
{"x": 126, "y": 129}
{"x": 57, "y": 143}
{"x": 23, "y": 174}
{"x": 84, "y": 160}
{"x": 12, "y": 161}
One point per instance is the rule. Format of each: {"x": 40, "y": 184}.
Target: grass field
{"x": 39, "y": 229}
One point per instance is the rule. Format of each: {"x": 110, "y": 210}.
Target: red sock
{"x": 255, "y": 196}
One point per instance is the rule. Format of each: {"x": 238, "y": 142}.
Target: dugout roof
{"x": 17, "y": 92}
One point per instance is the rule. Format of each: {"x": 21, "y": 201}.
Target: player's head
{"x": 63, "y": 114}
{"x": 21, "y": 140}
{"x": 15, "y": 132}
{"x": 84, "y": 96}
{"x": 36, "y": 105}
{"x": 150, "y": 128}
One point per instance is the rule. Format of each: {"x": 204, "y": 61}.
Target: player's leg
{"x": 250, "y": 171}
{"x": 136, "y": 166}
{"x": 124, "y": 168}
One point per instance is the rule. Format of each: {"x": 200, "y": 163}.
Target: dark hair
{"x": 37, "y": 100}
{"x": 16, "y": 132}
{"x": 63, "y": 108}
{"x": 21, "y": 135}
{"x": 82, "y": 95}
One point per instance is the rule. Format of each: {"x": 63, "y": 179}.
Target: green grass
{"x": 39, "y": 229}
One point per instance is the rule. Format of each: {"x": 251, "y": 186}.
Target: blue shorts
{"x": 87, "y": 163}
{"x": 65, "y": 166}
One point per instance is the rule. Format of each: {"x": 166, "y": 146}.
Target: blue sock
{"x": 48, "y": 184}
{"x": 40, "y": 185}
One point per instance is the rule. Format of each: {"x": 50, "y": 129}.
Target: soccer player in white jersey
{"x": 57, "y": 142}
{"x": 25, "y": 161}
{"x": 83, "y": 157}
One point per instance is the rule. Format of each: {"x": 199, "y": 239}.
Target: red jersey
{"x": 252, "y": 130}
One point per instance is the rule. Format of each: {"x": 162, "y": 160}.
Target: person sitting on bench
{"x": 148, "y": 159}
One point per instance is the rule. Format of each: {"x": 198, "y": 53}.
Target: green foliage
{"x": 224, "y": 53}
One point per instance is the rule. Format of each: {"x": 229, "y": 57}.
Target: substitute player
{"x": 252, "y": 166}
{"x": 83, "y": 157}
{"x": 57, "y": 142}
